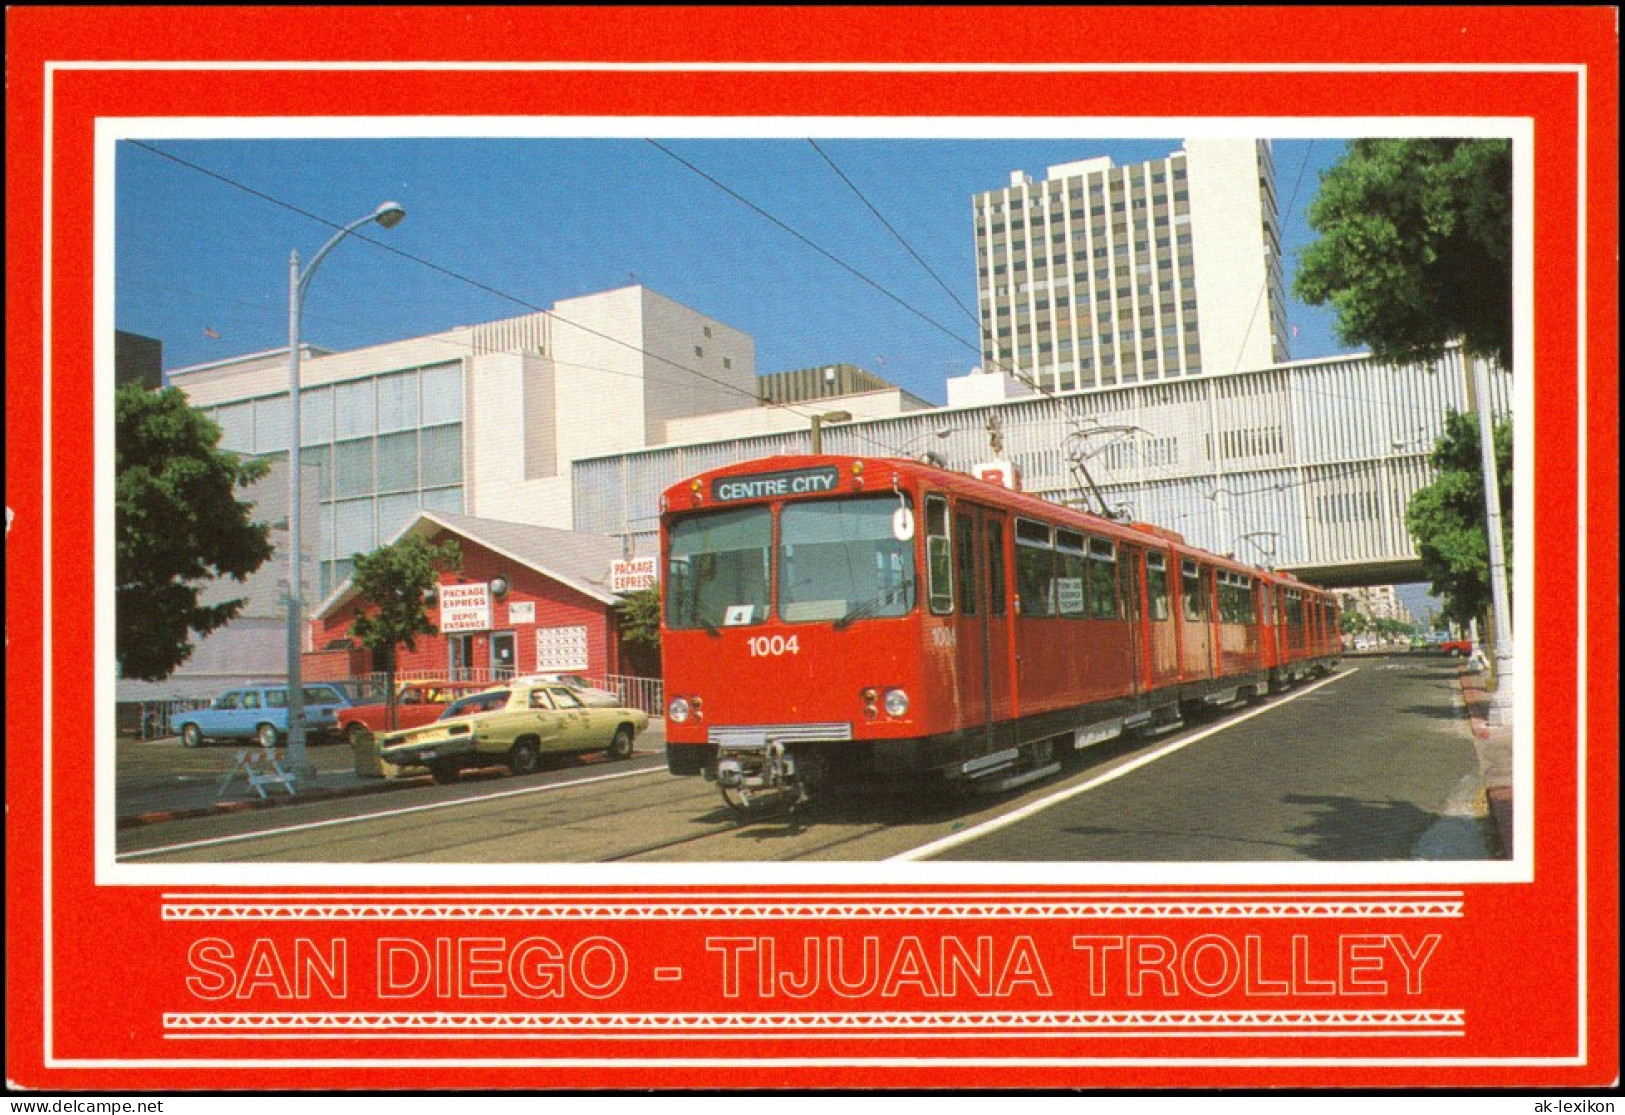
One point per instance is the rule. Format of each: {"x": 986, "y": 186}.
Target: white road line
{"x": 926, "y": 850}
{"x": 402, "y": 812}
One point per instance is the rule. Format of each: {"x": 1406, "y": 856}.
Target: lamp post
{"x": 389, "y": 214}
{"x": 818, "y": 420}
{"x": 1500, "y": 598}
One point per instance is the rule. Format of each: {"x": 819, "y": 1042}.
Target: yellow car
{"x": 513, "y": 726}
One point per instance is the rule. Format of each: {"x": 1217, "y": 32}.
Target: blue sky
{"x": 501, "y": 227}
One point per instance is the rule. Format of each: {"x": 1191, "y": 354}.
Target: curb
{"x": 1498, "y": 798}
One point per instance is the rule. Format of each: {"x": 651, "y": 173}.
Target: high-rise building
{"x": 1102, "y": 275}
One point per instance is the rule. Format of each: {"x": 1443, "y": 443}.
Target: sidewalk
{"x": 1494, "y": 745}
{"x": 164, "y": 780}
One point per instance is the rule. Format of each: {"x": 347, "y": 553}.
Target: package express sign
{"x": 465, "y": 608}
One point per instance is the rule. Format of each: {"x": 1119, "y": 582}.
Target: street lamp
{"x": 818, "y": 420}
{"x": 389, "y": 214}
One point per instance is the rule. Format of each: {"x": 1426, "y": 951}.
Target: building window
{"x": 398, "y": 401}
{"x": 354, "y": 413}
{"x": 398, "y": 461}
{"x": 352, "y": 468}
{"x": 441, "y": 456}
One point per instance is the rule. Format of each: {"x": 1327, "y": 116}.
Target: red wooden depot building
{"x": 527, "y": 599}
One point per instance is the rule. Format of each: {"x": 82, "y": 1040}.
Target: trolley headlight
{"x": 896, "y": 702}
{"x": 678, "y": 710}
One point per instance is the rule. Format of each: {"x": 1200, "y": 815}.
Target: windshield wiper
{"x": 869, "y": 606}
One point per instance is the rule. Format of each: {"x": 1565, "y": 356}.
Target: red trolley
{"x": 838, "y": 620}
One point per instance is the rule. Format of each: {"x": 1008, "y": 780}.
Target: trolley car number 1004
{"x": 766, "y": 646}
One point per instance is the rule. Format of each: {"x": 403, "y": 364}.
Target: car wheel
{"x": 621, "y": 746}
{"x": 192, "y": 736}
{"x": 266, "y": 734}
{"x": 525, "y": 757}
{"x": 443, "y": 772}
{"x": 359, "y": 736}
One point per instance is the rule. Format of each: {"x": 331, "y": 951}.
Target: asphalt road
{"x": 1375, "y": 764}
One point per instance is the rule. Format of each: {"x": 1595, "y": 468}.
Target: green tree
{"x": 1446, "y": 518}
{"x": 1415, "y": 248}
{"x": 392, "y": 583}
{"x": 639, "y": 617}
{"x": 178, "y": 526}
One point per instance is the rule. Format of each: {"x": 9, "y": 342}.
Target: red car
{"x": 1458, "y": 648}
{"x": 417, "y": 703}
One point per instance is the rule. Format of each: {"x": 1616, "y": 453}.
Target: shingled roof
{"x": 580, "y": 561}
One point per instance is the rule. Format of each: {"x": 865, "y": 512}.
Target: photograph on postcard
{"x": 817, "y": 562}
{"x": 1118, "y": 568}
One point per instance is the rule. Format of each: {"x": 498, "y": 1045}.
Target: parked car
{"x": 1457, "y": 648}
{"x": 260, "y": 712}
{"x": 416, "y": 703}
{"x": 513, "y": 727}
{"x": 590, "y": 694}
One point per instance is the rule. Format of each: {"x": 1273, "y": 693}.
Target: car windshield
{"x": 717, "y": 569}
{"x": 479, "y": 702}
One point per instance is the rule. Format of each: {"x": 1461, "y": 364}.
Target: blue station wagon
{"x": 261, "y": 713}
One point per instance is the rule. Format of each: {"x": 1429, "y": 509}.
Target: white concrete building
{"x": 1102, "y": 275}
{"x": 481, "y": 420}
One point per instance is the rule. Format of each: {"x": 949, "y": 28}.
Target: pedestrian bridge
{"x": 1306, "y": 466}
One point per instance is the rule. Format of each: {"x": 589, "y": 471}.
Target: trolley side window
{"x": 717, "y": 569}
{"x": 1102, "y": 578}
{"x": 1156, "y": 585}
{"x": 1191, "y": 589}
{"x": 997, "y": 588}
{"x": 1235, "y": 597}
{"x": 965, "y": 555}
{"x": 1035, "y": 555}
{"x": 841, "y": 559}
{"x": 1128, "y": 583}
{"x": 1071, "y": 574}
{"x": 939, "y": 558}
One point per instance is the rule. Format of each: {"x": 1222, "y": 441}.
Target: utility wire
{"x": 842, "y": 264}
{"x": 895, "y": 234}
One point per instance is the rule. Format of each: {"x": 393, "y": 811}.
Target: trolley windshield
{"x": 837, "y": 561}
